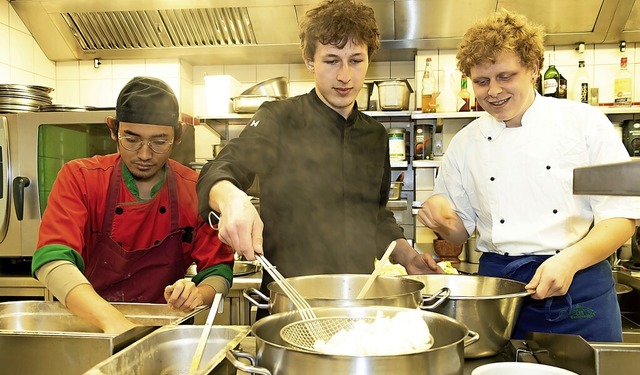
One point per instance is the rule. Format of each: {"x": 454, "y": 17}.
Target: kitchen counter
{"x": 13, "y": 287}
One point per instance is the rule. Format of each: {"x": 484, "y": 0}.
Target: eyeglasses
{"x": 131, "y": 143}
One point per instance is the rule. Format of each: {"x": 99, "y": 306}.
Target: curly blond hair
{"x": 338, "y": 22}
{"x": 501, "y": 32}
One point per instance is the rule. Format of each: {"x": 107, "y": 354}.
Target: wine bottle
{"x": 464, "y": 94}
{"x": 581, "y": 84}
{"x": 551, "y": 81}
{"x": 622, "y": 86}
{"x": 428, "y": 89}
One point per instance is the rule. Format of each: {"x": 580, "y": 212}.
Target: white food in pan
{"x": 406, "y": 332}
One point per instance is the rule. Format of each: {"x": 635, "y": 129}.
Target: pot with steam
{"x": 275, "y": 355}
{"x": 341, "y": 290}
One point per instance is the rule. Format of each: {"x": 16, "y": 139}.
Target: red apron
{"x": 138, "y": 275}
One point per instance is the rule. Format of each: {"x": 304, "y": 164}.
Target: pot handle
{"x": 473, "y": 337}
{"x": 247, "y": 293}
{"x": 440, "y": 297}
{"x": 233, "y": 355}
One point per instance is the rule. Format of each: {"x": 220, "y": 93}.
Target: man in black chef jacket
{"x": 323, "y": 165}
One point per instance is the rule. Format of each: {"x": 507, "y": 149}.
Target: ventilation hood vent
{"x": 121, "y": 30}
{"x": 266, "y": 31}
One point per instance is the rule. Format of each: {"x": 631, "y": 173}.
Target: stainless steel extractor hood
{"x": 266, "y": 31}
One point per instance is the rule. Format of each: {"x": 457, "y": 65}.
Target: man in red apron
{"x": 124, "y": 227}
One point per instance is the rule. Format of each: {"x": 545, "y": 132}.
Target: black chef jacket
{"x": 324, "y": 185}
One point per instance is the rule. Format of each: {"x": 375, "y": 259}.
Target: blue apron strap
{"x": 563, "y": 314}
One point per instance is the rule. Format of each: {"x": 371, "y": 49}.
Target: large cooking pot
{"x": 341, "y": 290}
{"x": 487, "y": 305}
{"x": 445, "y": 357}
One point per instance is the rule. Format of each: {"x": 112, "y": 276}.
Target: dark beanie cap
{"x": 147, "y": 100}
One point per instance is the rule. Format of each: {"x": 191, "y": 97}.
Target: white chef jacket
{"x": 516, "y": 184}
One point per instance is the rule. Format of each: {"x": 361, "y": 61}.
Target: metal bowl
{"x": 487, "y": 305}
{"x": 278, "y": 87}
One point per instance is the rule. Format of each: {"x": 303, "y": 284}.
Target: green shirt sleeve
{"x": 50, "y": 253}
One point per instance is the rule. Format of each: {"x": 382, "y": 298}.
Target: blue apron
{"x": 589, "y": 309}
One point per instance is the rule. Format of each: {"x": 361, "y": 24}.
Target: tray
{"x": 169, "y": 350}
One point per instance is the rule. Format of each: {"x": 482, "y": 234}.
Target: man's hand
{"x": 414, "y": 262}
{"x": 240, "y": 225}
{"x": 183, "y": 295}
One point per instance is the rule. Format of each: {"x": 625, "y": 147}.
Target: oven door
{"x": 5, "y": 168}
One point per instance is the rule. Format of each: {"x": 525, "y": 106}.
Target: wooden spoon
{"x": 377, "y": 270}
{"x": 215, "y": 306}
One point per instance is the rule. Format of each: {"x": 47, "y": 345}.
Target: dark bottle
{"x": 562, "y": 87}
{"x": 551, "y": 83}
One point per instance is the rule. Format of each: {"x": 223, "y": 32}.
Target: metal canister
{"x": 397, "y": 151}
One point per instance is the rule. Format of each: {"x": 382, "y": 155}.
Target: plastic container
{"x": 219, "y": 90}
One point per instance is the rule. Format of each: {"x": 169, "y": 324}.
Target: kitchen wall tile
{"x": 87, "y": 70}
{"x": 5, "y": 73}
{"x": 163, "y": 68}
{"x": 127, "y": 68}
{"x": 243, "y": 73}
{"x": 21, "y": 77}
{"x": 16, "y": 23}
{"x": 118, "y": 84}
{"x": 199, "y": 100}
{"x": 5, "y": 52}
{"x": 67, "y": 70}
{"x": 42, "y": 66}
{"x": 299, "y": 73}
{"x": 186, "y": 71}
{"x": 200, "y": 71}
{"x": 4, "y": 13}
{"x": 97, "y": 92}
{"x": 186, "y": 96}
{"x": 67, "y": 92}
{"x": 569, "y": 56}
{"x": 269, "y": 71}
{"x": 610, "y": 54}
{"x": 299, "y": 88}
{"x": 21, "y": 49}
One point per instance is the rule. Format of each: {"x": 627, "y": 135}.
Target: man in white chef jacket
{"x": 509, "y": 174}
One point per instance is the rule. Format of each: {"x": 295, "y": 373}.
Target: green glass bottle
{"x": 551, "y": 82}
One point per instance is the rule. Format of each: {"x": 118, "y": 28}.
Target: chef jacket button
{"x": 492, "y": 179}
{"x": 557, "y": 251}
{"x": 548, "y": 167}
{"x": 163, "y": 209}
{"x": 506, "y": 254}
{"x": 157, "y": 242}
{"x": 489, "y": 138}
{"x": 501, "y": 221}
{"x": 555, "y": 211}
{"x": 119, "y": 210}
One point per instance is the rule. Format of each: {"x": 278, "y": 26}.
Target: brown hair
{"x": 338, "y": 22}
{"x": 501, "y": 32}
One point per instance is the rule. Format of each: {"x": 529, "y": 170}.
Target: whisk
{"x": 301, "y": 304}
{"x": 304, "y": 333}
